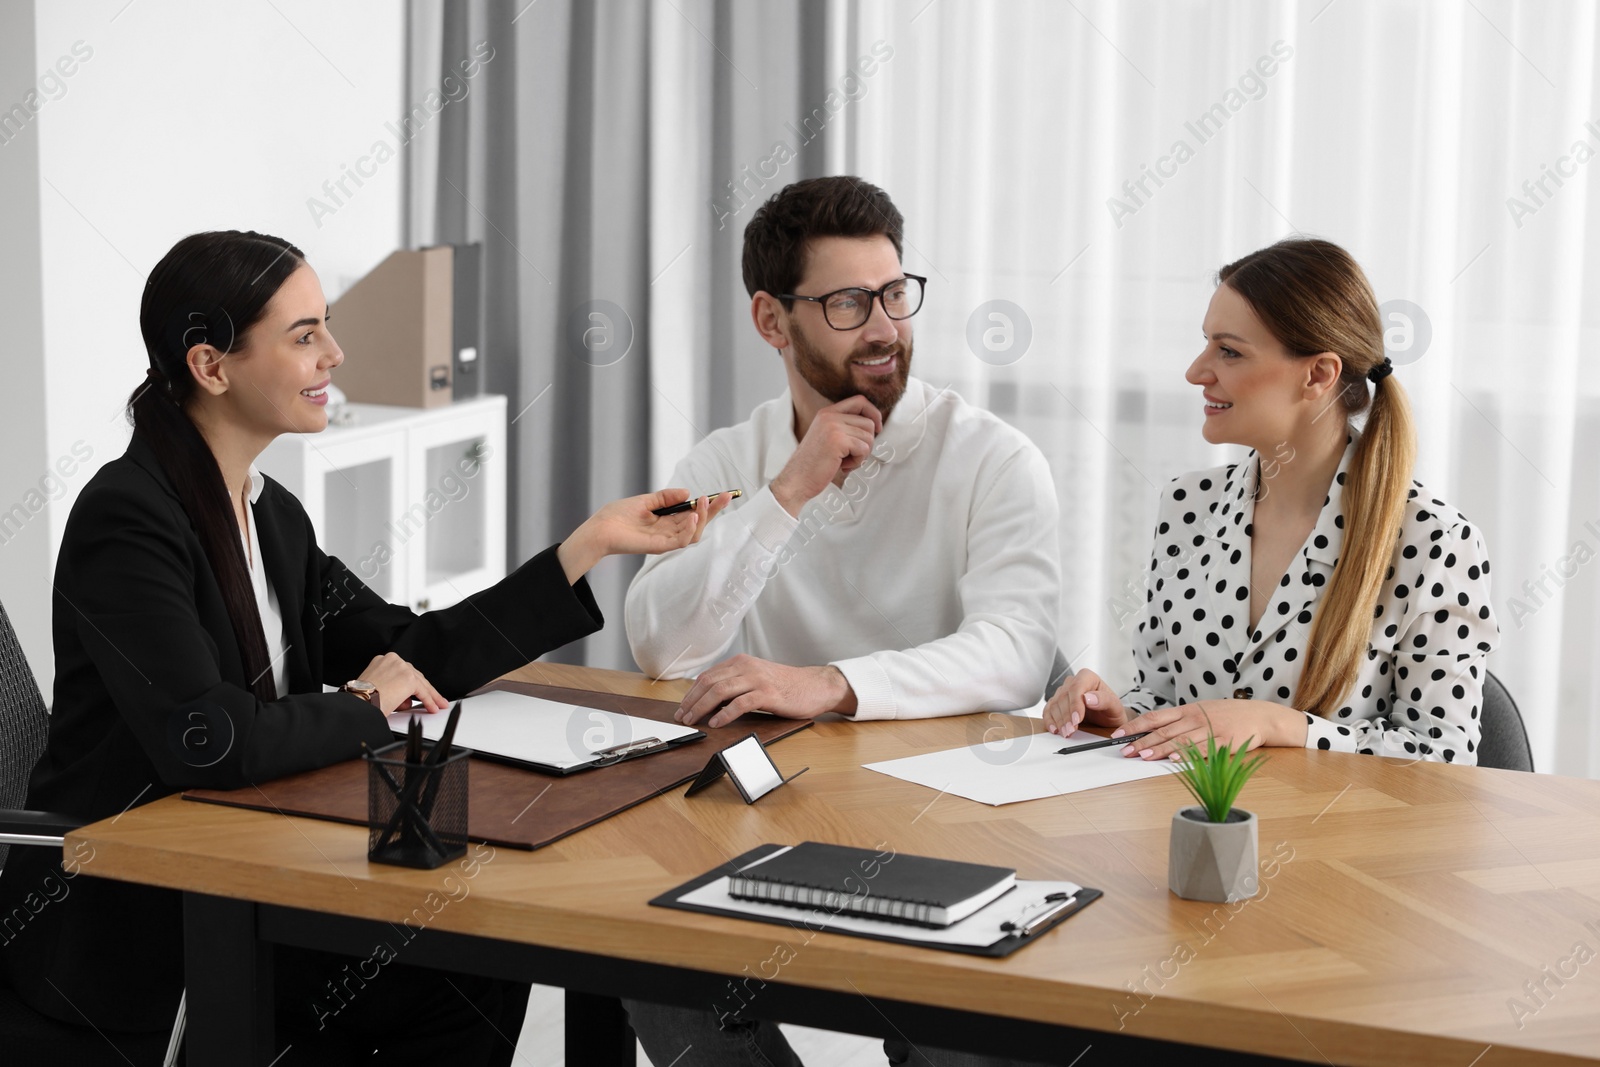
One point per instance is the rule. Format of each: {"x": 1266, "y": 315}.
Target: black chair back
{"x": 1505, "y": 740}
{"x": 24, "y": 725}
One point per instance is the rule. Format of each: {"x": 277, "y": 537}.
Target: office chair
{"x": 24, "y": 725}
{"x": 27, "y": 1036}
{"x": 1504, "y": 743}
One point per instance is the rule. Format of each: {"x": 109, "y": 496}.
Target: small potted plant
{"x": 1213, "y": 850}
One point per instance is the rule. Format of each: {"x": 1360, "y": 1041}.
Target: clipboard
{"x": 540, "y": 735}
{"x": 1038, "y": 918}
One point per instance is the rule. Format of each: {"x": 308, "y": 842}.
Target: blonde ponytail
{"x": 1315, "y": 298}
{"x": 1375, "y": 494}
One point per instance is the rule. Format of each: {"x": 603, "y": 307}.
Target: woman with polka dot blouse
{"x": 1312, "y": 594}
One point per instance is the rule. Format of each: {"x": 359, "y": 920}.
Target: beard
{"x": 837, "y": 382}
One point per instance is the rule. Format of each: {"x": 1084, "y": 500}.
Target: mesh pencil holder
{"x": 416, "y": 813}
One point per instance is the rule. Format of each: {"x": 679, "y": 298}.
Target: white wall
{"x": 183, "y": 116}
{"x": 24, "y": 508}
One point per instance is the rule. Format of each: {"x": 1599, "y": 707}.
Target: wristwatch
{"x": 365, "y": 690}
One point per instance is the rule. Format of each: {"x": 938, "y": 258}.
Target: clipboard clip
{"x": 605, "y": 757}
{"x": 1027, "y": 926}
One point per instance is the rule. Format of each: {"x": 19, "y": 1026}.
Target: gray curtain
{"x": 593, "y": 125}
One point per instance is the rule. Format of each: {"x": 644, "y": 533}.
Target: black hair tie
{"x": 1381, "y": 371}
{"x": 155, "y": 380}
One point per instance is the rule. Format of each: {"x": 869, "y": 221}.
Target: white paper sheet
{"x": 980, "y": 928}
{"x": 536, "y": 730}
{"x": 1022, "y": 768}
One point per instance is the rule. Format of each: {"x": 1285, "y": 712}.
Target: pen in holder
{"x": 416, "y": 809}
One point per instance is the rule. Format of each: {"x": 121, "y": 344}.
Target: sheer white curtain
{"x": 1020, "y": 140}
{"x": 1091, "y": 163}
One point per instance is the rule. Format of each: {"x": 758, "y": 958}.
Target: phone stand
{"x": 751, "y": 768}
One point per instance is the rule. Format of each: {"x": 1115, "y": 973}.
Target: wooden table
{"x": 1419, "y": 913}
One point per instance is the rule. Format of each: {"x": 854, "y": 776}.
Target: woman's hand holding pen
{"x": 628, "y": 527}
{"x": 1083, "y": 698}
{"x": 1233, "y": 722}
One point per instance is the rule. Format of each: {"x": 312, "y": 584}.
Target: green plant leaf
{"x": 1215, "y": 776}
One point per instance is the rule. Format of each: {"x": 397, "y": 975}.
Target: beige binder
{"x": 395, "y": 326}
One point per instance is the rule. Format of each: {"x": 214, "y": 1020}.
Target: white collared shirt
{"x": 930, "y": 579}
{"x": 266, "y": 598}
{"x": 1419, "y": 690}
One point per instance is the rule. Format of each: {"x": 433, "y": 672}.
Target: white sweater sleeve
{"x": 999, "y": 657}
{"x": 684, "y": 607}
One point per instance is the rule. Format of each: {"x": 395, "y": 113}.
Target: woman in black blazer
{"x": 193, "y": 639}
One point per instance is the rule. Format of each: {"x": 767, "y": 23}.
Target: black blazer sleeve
{"x": 512, "y": 623}
{"x": 142, "y": 600}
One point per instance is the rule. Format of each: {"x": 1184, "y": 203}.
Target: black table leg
{"x": 227, "y": 973}
{"x": 598, "y": 1032}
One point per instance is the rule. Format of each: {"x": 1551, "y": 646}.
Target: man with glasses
{"x": 892, "y": 555}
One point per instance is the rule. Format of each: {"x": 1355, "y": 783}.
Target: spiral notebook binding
{"x": 814, "y": 896}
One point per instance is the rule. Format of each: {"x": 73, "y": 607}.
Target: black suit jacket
{"x": 151, "y": 698}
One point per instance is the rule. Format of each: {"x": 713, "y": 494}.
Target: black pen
{"x": 688, "y": 505}
{"x": 441, "y": 751}
{"x": 1058, "y": 902}
{"x": 1104, "y": 743}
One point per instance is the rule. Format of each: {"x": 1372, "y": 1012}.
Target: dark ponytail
{"x": 209, "y": 289}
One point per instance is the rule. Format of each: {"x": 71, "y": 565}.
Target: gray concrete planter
{"x": 1213, "y": 861}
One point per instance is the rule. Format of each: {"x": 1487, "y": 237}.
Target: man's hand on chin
{"x": 745, "y": 683}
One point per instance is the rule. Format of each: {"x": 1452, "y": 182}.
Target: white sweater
{"x": 931, "y": 579}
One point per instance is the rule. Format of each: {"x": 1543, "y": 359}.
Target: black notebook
{"x": 885, "y": 885}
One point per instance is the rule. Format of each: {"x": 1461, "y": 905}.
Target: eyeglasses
{"x": 847, "y": 309}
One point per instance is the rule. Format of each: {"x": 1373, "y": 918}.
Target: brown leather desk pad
{"x": 509, "y": 806}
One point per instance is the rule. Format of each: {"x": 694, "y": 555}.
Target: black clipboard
{"x": 1004, "y": 945}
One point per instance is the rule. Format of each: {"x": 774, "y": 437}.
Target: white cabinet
{"x": 413, "y": 500}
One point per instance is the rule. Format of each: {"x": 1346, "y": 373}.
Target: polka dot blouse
{"x": 1419, "y": 690}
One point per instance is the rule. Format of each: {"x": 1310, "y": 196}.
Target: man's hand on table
{"x": 745, "y": 683}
